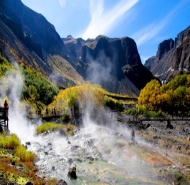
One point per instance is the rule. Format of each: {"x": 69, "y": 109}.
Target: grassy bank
{"x": 17, "y": 163}
{"x": 50, "y": 126}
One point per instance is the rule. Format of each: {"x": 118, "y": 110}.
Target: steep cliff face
{"x": 109, "y": 62}
{"x": 34, "y": 26}
{"x": 27, "y": 37}
{"x": 172, "y": 58}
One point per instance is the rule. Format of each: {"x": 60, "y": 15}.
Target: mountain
{"x": 172, "y": 57}
{"x": 112, "y": 62}
{"x": 27, "y": 37}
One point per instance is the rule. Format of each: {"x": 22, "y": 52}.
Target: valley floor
{"x": 165, "y": 150}
{"x": 174, "y": 146}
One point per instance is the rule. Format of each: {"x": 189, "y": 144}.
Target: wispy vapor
{"x": 62, "y": 3}
{"x": 148, "y": 32}
{"x": 153, "y": 29}
{"x": 103, "y": 21}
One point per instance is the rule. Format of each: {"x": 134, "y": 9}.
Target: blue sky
{"x": 148, "y": 22}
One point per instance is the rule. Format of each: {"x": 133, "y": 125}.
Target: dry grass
{"x": 23, "y": 154}
{"x": 9, "y": 142}
{"x": 12, "y": 142}
{"x": 11, "y": 151}
{"x": 50, "y": 126}
{"x": 62, "y": 66}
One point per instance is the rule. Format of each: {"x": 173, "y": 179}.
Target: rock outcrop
{"x": 34, "y": 26}
{"x": 112, "y": 62}
{"x": 27, "y": 37}
{"x": 172, "y": 58}
{"x": 61, "y": 182}
{"x": 72, "y": 173}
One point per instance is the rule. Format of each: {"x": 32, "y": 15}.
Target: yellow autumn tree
{"x": 81, "y": 94}
{"x": 171, "y": 97}
{"x": 150, "y": 96}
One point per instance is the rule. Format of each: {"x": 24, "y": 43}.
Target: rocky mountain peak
{"x": 164, "y": 47}
{"x": 110, "y": 62}
{"x": 113, "y": 63}
{"x": 172, "y": 58}
{"x": 182, "y": 36}
{"x": 33, "y": 26}
{"x": 69, "y": 37}
{"x": 100, "y": 36}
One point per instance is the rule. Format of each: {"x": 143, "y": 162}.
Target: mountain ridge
{"x": 118, "y": 56}
{"x": 172, "y": 57}
{"x": 27, "y": 37}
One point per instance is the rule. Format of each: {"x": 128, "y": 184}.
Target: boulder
{"x": 53, "y": 168}
{"x": 62, "y": 133}
{"x": 1, "y": 129}
{"x": 13, "y": 163}
{"x": 28, "y": 143}
{"x": 70, "y": 161}
{"x": 145, "y": 126}
{"x": 188, "y": 138}
{"x": 169, "y": 125}
{"x": 155, "y": 137}
{"x": 61, "y": 182}
{"x": 72, "y": 173}
{"x": 29, "y": 183}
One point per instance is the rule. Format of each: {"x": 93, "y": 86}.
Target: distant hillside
{"x": 172, "y": 57}
{"x": 27, "y": 37}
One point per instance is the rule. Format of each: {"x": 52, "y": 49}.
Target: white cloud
{"x": 62, "y": 3}
{"x": 104, "y": 21}
{"x": 153, "y": 29}
{"x": 148, "y": 32}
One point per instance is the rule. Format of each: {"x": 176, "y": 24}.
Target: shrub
{"x": 4, "y": 66}
{"x": 132, "y": 111}
{"x": 70, "y": 129}
{"x": 83, "y": 94}
{"x": 113, "y": 104}
{"x": 37, "y": 87}
{"x": 48, "y": 126}
{"x": 66, "y": 118}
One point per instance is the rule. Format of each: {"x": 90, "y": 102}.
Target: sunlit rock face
{"x": 109, "y": 62}
{"x": 34, "y": 26}
{"x": 172, "y": 57}
{"x": 27, "y": 37}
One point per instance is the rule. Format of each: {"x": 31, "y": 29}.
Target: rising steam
{"x": 100, "y": 69}
{"x": 12, "y": 84}
{"x": 101, "y": 143}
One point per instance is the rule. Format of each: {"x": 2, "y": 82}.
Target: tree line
{"x": 173, "y": 97}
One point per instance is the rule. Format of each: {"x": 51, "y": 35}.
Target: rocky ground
{"x": 172, "y": 142}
